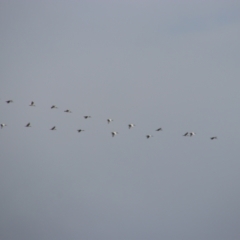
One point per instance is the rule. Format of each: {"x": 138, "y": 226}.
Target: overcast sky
{"x": 170, "y": 64}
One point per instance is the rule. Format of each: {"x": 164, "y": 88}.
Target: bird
{"x": 131, "y": 125}
{"x": 186, "y": 134}
{"x": 80, "y": 130}
{"x": 28, "y": 125}
{"x": 212, "y": 138}
{"x": 159, "y": 129}
{"x": 148, "y": 136}
{"x": 114, "y": 134}
{"x": 109, "y": 120}
{"x": 32, "y": 104}
{"x": 9, "y": 101}
{"x": 86, "y": 117}
{"x": 53, "y": 106}
{"x": 53, "y": 128}
{"x": 3, "y": 125}
{"x": 192, "y": 134}
{"x": 67, "y": 111}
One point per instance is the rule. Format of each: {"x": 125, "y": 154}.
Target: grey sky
{"x": 152, "y": 63}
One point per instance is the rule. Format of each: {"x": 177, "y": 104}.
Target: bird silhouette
{"x": 212, "y": 138}
{"x": 80, "y": 130}
{"x": 53, "y": 107}
{"x": 67, "y": 111}
{"x": 28, "y": 125}
{"x": 149, "y": 136}
{"x": 32, "y": 104}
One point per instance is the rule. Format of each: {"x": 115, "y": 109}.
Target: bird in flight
{"x": 3, "y": 125}
{"x": 186, "y": 134}
{"x": 80, "y": 130}
{"x": 67, "y": 111}
{"x": 131, "y": 125}
{"x": 53, "y": 107}
{"x": 192, "y": 134}
{"x": 109, "y": 120}
{"x": 9, "y": 101}
{"x": 148, "y": 136}
{"x": 86, "y": 117}
{"x": 114, "y": 134}
{"x": 212, "y": 138}
{"x": 53, "y": 128}
{"x": 32, "y": 104}
{"x": 28, "y": 125}
{"x": 159, "y": 129}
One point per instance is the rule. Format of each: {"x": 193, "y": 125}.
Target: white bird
{"x": 159, "y": 129}
{"x": 9, "y": 101}
{"x": 192, "y": 134}
{"x": 109, "y": 120}
{"x": 53, "y": 107}
{"x": 32, "y": 104}
{"x": 87, "y": 117}
{"x": 53, "y": 128}
{"x": 80, "y": 130}
{"x": 186, "y": 134}
{"x": 212, "y": 138}
{"x": 67, "y": 111}
{"x": 148, "y": 136}
{"x": 28, "y": 125}
{"x": 114, "y": 134}
{"x": 3, "y": 125}
{"x": 131, "y": 125}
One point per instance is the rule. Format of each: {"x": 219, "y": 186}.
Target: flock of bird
{"x": 109, "y": 120}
